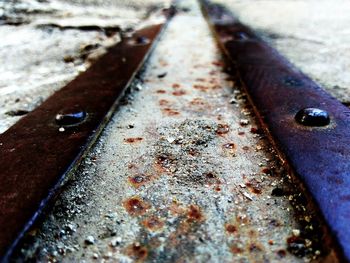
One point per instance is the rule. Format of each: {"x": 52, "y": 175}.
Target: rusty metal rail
{"x": 309, "y": 127}
{"x": 40, "y": 150}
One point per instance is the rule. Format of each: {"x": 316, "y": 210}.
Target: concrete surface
{"x": 182, "y": 173}
{"x": 312, "y": 34}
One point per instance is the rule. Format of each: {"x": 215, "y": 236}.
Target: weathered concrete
{"x": 182, "y": 173}
{"x": 312, "y": 34}
{"x": 45, "y": 44}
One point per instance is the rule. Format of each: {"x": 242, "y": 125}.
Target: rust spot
{"x": 231, "y": 228}
{"x": 236, "y": 250}
{"x": 194, "y": 214}
{"x": 133, "y": 140}
{"x": 176, "y": 209}
{"x": 135, "y": 206}
{"x": 245, "y": 148}
{"x": 217, "y": 188}
{"x": 179, "y": 92}
{"x": 139, "y": 180}
{"x": 161, "y": 91}
{"x": 254, "y": 186}
{"x": 241, "y": 133}
{"x": 222, "y": 129}
{"x": 153, "y": 223}
{"x": 271, "y": 242}
{"x": 137, "y": 252}
{"x": 200, "y": 87}
{"x": 164, "y": 102}
{"x": 176, "y": 86}
{"x": 170, "y": 112}
{"x": 197, "y": 101}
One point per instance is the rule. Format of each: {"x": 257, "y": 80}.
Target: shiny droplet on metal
{"x": 293, "y": 82}
{"x": 70, "y": 117}
{"x": 241, "y": 36}
{"x": 312, "y": 117}
{"x": 139, "y": 41}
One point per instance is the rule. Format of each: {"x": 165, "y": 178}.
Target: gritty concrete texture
{"x": 312, "y": 34}
{"x": 182, "y": 173}
{"x": 45, "y": 44}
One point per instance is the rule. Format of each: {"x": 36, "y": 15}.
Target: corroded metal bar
{"x": 309, "y": 126}
{"x": 41, "y": 149}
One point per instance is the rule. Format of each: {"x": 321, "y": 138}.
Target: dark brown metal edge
{"x": 36, "y": 156}
{"x": 320, "y": 156}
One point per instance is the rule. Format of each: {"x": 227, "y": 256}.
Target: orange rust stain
{"x": 137, "y": 252}
{"x": 231, "y": 229}
{"x": 254, "y": 186}
{"x": 201, "y": 87}
{"x": 153, "y": 223}
{"x": 197, "y": 102}
{"x": 135, "y": 206}
{"x": 194, "y": 214}
{"x": 176, "y": 86}
{"x": 161, "y": 91}
{"x": 222, "y": 129}
{"x": 164, "y": 102}
{"x": 236, "y": 250}
{"x": 271, "y": 242}
{"x": 242, "y": 219}
{"x": 176, "y": 209}
{"x": 139, "y": 180}
{"x": 133, "y": 140}
{"x": 179, "y": 92}
{"x": 170, "y": 112}
{"x": 217, "y": 188}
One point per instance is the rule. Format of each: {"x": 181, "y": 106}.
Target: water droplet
{"x": 70, "y": 117}
{"x": 293, "y": 82}
{"x": 241, "y": 36}
{"x": 312, "y": 117}
{"x": 139, "y": 41}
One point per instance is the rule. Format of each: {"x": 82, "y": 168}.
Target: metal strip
{"x": 41, "y": 149}
{"x": 309, "y": 126}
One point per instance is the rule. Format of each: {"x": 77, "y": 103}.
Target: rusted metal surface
{"x": 41, "y": 149}
{"x": 319, "y": 154}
